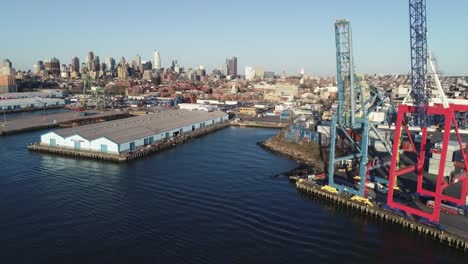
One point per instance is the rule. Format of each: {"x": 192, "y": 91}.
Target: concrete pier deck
{"x": 158, "y": 146}
{"x": 67, "y": 119}
{"x": 32, "y": 109}
{"x": 259, "y": 124}
{"x": 447, "y": 237}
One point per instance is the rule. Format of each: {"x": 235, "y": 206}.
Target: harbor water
{"x": 218, "y": 199}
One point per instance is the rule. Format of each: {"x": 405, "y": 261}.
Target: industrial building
{"x": 30, "y": 103}
{"x": 195, "y": 107}
{"x": 251, "y": 111}
{"x": 125, "y": 135}
{"x": 46, "y": 93}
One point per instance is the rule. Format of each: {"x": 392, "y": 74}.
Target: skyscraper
{"x": 38, "y": 67}
{"x": 232, "y": 66}
{"x": 97, "y": 64}
{"x": 136, "y": 63}
{"x": 64, "y": 71}
{"x": 75, "y": 65}
{"x": 52, "y": 66}
{"x": 122, "y": 71}
{"x": 90, "y": 61}
{"x": 110, "y": 64}
{"x": 157, "y": 60}
{"x": 174, "y": 64}
{"x": 224, "y": 69}
{"x": 103, "y": 67}
{"x": 6, "y": 63}
{"x": 146, "y": 65}
{"x": 259, "y": 73}
{"x": 249, "y": 73}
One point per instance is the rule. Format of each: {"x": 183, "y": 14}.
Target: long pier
{"x": 447, "y": 238}
{"x": 259, "y": 124}
{"x": 32, "y": 109}
{"x": 67, "y": 119}
{"x": 158, "y": 146}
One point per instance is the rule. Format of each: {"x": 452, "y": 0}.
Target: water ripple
{"x": 218, "y": 199}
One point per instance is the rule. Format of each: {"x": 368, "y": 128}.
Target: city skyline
{"x": 279, "y": 36}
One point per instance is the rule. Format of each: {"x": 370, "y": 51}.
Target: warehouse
{"x": 195, "y": 107}
{"x": 125, "y": 135}
{"x": 29, "y": 103}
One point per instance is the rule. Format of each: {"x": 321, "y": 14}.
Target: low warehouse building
{"x": 29, "y": 103}
{"x": 195, "y": 107}
{"x": 125, "y": 135}
{"x": 251, "y": 111}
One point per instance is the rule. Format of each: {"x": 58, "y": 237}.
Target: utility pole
{"x": 44, "y": 115}
{"x": 4, "y": 118}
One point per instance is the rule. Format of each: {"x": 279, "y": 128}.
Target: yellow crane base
{"x": 362, "y": 200}
{"x": 329, "y": 189}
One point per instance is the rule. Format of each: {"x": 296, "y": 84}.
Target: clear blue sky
{"x": 275, "y": 34}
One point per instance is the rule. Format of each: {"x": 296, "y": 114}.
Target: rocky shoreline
{"x": 309, "y": 164}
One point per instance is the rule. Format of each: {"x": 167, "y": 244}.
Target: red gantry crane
{"x": 423, "y": 111}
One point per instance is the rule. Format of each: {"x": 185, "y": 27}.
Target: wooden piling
{"x": 452, "y": 240}
{"x": 139, "y": 153}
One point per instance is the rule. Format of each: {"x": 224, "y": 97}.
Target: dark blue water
{"x": 218, "y": 199}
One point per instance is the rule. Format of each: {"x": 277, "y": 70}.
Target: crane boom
{"x": 418, "y": 32}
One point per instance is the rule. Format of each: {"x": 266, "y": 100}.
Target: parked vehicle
{"x": 382, "y": 188}
{"x": 448, "y": 209}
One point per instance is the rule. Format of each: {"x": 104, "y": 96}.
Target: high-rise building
{"x": 97, "y": 64}
{"x": 64, "y": 71}
{"x": 110, "y": 64}
{"x": 83, "y": 68}
{"x": 90, "y": 61}
{"x": 52, "y": 66}
{"x": 103, "y": 67}
{"x": 269, "y": 75}
{"x": 259, "y": 73}
{"x": 6, "y": 63}
{"x": 224, "y": 69}
{"x": 200, "y": 73}
{"x": 75, "y": 65}
{"x": 122, "y": 70}
{"x": 232, "y": 66}
{"x": 136, "y": 63}
{"x": 38, "y": 67}
{"x": 147, "y": 65}
{"x": 7, "y": 77}
{"x": 174, "y": 64}
{"x": 157, "y": 60}
{"x": 249, "y": 73}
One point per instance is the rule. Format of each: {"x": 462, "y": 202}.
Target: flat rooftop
{"x": 50, "y": 119}
{"x": 128, "y": 129}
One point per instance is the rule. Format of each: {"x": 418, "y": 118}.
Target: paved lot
{"x": 45, "y": 120}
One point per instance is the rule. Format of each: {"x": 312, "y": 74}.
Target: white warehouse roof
{"x": 128, "y": 129}
{"x": 29, "y": 101}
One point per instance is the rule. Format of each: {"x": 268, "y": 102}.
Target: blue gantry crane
{"x": 350, "y": 124}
